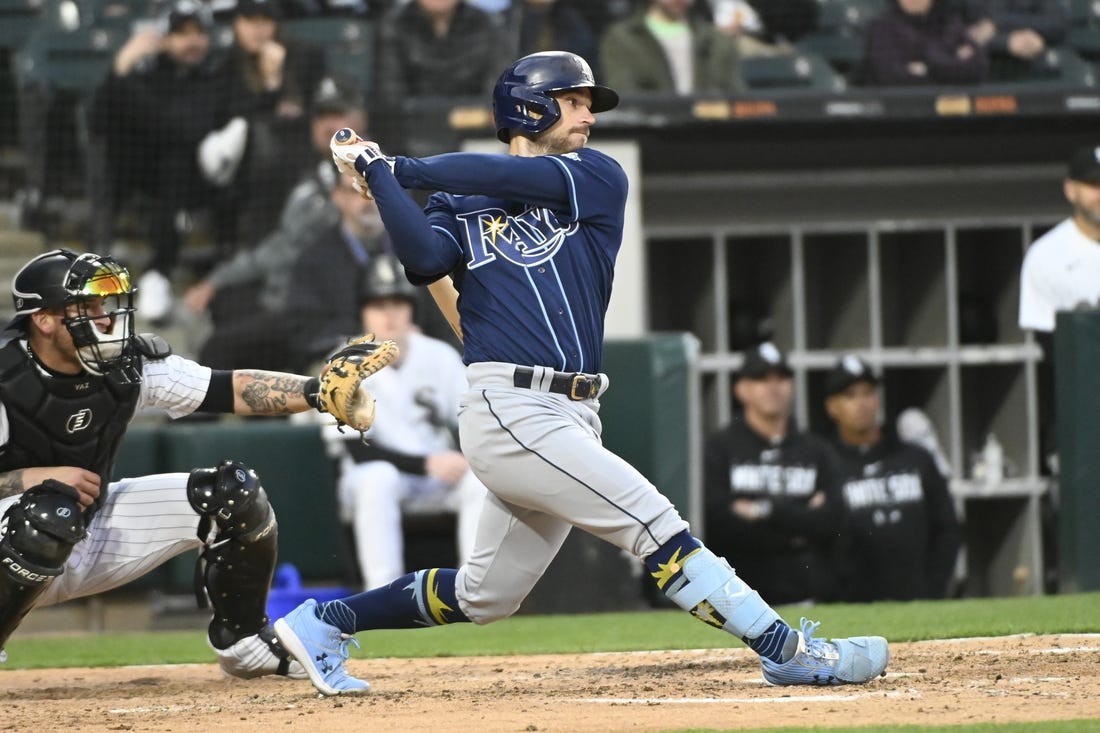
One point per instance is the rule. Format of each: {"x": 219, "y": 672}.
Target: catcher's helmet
{"x": 525, "y": 87}
{"x": 100, "y": 290}
{"x": 385, "y": 278}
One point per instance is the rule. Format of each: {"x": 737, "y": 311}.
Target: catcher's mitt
{"x": 342, "y": 393}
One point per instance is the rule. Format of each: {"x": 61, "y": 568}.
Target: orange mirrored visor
{"x": 108, "y": 279}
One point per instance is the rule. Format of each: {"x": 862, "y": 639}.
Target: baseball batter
{"x": 530, "y": 239}
{"x": 72, "y": 375}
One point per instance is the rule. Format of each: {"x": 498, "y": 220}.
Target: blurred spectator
{"x": 550, "y": 25}
{"x": 902, "y": 537}
{"x": 774, "y": 21}
{"x": 1015, "y": 32}
{"x": 48, "y": 120}
{"x": 494, "y": 7}
{"x": 293, "y": 314}
{"x": 275, "y": 82}
{"x": 922, "y": 42}
{"x": 601, "y": 15}
{"x": 434, "y": 49}
{"x": 254, "y": 296}
{"x": 328, "y": 273}
{"x": 771, "y": 491}
{"x": 741, "y": 21}
{"x": 162, "y": 108}
{"x": 663, "y": 48}
{"x": 411, "y": 454}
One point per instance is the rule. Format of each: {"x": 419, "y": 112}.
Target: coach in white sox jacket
{"x": 530, "y": 240}
{"x": 902, "y": 534}
{"x": 72, "y": 375}
{"x": 773, "y": 507}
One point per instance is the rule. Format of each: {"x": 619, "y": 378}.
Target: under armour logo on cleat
{"x": 322, "y": 660}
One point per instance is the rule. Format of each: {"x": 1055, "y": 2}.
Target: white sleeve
{"x": 1036, "y": 308}
{"x": 176, "y": 385}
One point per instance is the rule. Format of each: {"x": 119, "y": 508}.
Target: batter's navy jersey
{"x": 531, "y": 242}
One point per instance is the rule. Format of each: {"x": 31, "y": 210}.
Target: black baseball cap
{"x": 762, "y": 360}
{"x": 1084, "y": 166}
{"x": 266, "y": 8}
{"x": 190, "y": 11}
{"x": 848, "y": 370}
{"x": 336, "y": 96}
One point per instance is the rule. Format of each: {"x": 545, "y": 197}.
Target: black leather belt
{"x": 574, "y": 386}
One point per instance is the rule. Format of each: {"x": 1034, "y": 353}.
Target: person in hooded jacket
{"x": 919, "y": 42}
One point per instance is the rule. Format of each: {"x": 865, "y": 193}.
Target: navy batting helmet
{"x": 525, "y": 87}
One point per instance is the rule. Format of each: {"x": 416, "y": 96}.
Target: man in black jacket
{"x": 164, "y": 97}
{"x": 903, "y": 536}
{"x": 772, "y": 496}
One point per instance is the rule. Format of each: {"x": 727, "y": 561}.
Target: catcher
{"x": 72, "y": 375}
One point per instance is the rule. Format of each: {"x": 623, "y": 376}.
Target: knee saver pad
{"x": 40, "y": 531}
{"x": 231, "y": 496}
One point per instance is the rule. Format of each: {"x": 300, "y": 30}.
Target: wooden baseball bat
{"x": 446, "y": 298}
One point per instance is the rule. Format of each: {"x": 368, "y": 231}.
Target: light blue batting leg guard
{"x": 705, "y": 586}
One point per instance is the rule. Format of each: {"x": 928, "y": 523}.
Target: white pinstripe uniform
{"x": 144, "y": 521}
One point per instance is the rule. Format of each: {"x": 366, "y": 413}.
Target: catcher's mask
{"x": 526, "y": 86}
{"x": 91, "y": 290}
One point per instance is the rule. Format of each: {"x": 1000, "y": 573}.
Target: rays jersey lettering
{"x": 773, "y": 480}
{"x": 536, "y": 273}
{"x": 884, "y": 491}
{"x": 527, "y": 239}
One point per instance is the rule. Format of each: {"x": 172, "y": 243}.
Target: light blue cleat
{"x": 834, "y": 662}
{"x": 321, "y": 648}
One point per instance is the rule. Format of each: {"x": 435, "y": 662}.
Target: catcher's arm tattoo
{"x": 268, "y": 393}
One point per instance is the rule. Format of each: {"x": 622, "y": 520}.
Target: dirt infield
{"x": 977, "y": 680}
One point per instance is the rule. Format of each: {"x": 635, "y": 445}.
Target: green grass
{"x": 598, "y": 632}
{"x": 1046, "y": 726}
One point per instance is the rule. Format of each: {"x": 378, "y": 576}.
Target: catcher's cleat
{"x": 835, "y": 662}
{"x": 321, "y": 648}
{"x": 258, "y": 655}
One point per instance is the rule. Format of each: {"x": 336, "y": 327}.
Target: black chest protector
{"x": 60, "y": 420}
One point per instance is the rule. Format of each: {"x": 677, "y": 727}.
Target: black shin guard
{"x": 236, "y": 566}
{"x": 39, "y": 532}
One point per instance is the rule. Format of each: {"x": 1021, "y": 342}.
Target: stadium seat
{"x": 72, "y": 61}
{"x": 843, "y": 50}
{"x": 18, "y": 20}
{"x": 1057, "y": 67}
{"x": 1083, "y": 12}
{"x": 348, "y": 44}
{"x": 851, "y": 16}
{"x": 1085, "y": 41}
{"x": 791, "y": 71}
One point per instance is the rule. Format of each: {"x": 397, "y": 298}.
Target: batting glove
{"x": 352, "y": 155}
